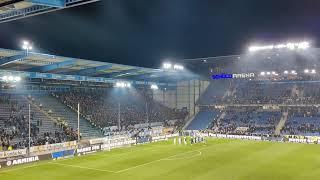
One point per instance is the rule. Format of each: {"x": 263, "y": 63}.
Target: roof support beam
{"x": 92, "y": 71}
{"x": 124, "y": 72}
{"x": 51, "y": 3}
{"x": 53, "y": 66}
{"x": 6, "y": 60}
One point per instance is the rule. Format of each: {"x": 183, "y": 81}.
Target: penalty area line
{"x": 162, "y": 159}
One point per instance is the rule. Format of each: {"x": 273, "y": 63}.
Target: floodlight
{"x": 290, "y": 46}
{"x": 26, "y": 46}
{"x": 306, "y": 71}
{"x": 286, "y": 72}
{"x": 123, "y": 85}
{"x": 167, "y": 65}
{"x": 313, "y": 71}
{"x": 303, "y": 45}
{"x": 268, "y": 73}
{"x": 17, "y": 78}
{"x": 178, "y": 67}
{"x": 154, "y": 86}
{"x": 262, "y": 73}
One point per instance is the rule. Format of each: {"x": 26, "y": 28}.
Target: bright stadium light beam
{"x": 123, "y": 85}
{"x": 167, "y": 66}
{"x": 306, "y": 71}
{"x": 293, "y": 72}
{"x": 26, "y": 46}
{"x": 303, "y": 45}
{"x": 290, "y": 45}
{"x": 17, "y": 79}
{"x": 286, "y": 72}
{"x": 178, "y": 67}
{"x": 154, "y": 87}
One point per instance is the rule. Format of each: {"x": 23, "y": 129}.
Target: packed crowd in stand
{"x": 263, "y": 118}
{"x": 248, "y": 121}
{"x": 104, "y": 108}
{"x": 14, "y": 132}
{"x": 303, "y": 122}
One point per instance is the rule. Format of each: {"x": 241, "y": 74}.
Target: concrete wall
{"x": 166, "y": 97}
{"x": 188, "y": 93}
{"x": 185, "y": 95}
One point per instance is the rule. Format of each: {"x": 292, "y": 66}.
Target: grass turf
{"x": 217, "y": 159}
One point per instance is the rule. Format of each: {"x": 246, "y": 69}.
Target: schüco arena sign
{"x": 233, "y": 76}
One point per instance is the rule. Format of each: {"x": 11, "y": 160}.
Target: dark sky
{"x": 145, "y": 32}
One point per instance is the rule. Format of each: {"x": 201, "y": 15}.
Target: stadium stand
{"x": 102, "y": 108}
{"x": 203, "y": 119}
{"x": 243, "y": 103}
{"x": 14, "y": 130}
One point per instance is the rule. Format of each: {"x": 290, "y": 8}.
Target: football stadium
{"x": 249, "y": 116}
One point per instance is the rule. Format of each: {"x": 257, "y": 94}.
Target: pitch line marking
{"x": 82, "y": 167}
{"x": 19, "y": 168}
{"x": 189, "y": 157}
{"x": 166, "y": 158}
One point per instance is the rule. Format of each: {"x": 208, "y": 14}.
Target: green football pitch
{"x": 216, "y": 159}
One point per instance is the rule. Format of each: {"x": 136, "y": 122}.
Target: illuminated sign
{"x": 233, "y": 76}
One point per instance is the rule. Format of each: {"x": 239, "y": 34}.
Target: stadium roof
{"x": 16, "y": 9}
{"x": 45, "y": 65}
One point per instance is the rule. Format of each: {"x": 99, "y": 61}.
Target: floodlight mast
{"x": 27, "y": 46}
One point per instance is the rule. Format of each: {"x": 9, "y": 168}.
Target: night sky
{"x": 146, "y": 32}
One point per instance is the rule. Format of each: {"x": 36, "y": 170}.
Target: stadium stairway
{"x": 202, "y": 120}
{"x": 281, "y": 123}
{"x": 61, "y": 111}
{"x": 219, "y": 120}
{"x": 47, "y": 124}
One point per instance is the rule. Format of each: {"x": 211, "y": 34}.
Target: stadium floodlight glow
{"x": 306, "y": 71}
{"x": 26, "y": 46}
{"x": 11, "y": 78}
{"x": 262, "y": 73}
{"x": 289, "y": 45}
{"x": 313, "y": 71}
{"x": 268, "y": 73}
{"x": 178, "y": 67}
{"x": 293, "y": 72}
{"x": 5, "y": 78}
{"x": 123, "y": 85}
{"x": 17, "y": 78}
{"x": 303, "y": 45}
{"x": 154, "y": 87}
{"x": 273, "y": 72}
{"x": 286, "y": 72}
{"x": 167, "y": 65}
